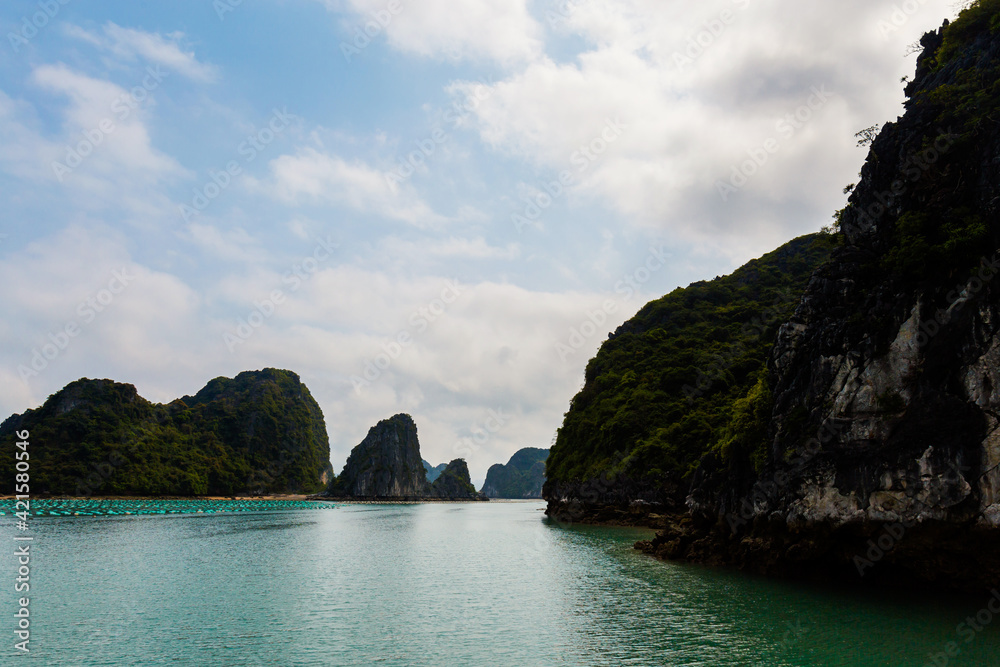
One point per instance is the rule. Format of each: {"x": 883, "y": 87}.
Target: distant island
{"x": 522, "y": 477}
{"x": 259, "y": 433}
{"x": 433, "y": 472}
{"x": 386, "y": 465}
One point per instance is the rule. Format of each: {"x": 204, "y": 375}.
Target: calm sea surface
{"x": 436, "y": 584}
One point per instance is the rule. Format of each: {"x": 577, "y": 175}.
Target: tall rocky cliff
{"x": 880, "y": 453}
{"x": 261, "y": 432}
{"x": 661, "y": 390}
{"x": 522, "y": 477}
{"x": 386, "y": 464}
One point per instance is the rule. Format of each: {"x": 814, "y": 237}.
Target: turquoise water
{"x": 105, "y": 507}
{"x": 435, "y": 584}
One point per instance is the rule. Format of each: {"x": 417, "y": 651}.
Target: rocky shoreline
{"x": 942, "y": 556}
{"x": 656, "y": 517}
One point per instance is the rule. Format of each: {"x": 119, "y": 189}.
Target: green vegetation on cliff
{"x": 684, "y": 375}
{"x": 951, "y": 114}
{"x": 261, "y": 432}
{"x": 978, "y": 18}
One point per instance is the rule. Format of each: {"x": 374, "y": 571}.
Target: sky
{"x": 438, "y": 207}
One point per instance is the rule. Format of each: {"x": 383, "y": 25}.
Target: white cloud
{"x": 450, "y": 248}
{"x": 498, "y": 30}
{"x": 129, "y": 320}
{"x": 235, "y": 245}
{"x": 693, "y": 111}
{"x": 312, "y": 175}
{"x": 132, "y": 44}
{"x": 96, "y": 105}
{"x": 494, "y": 347}
{"x": 102, "y": 159}
{"x": 99, "y": 156}
{"x": 25, "y": 154}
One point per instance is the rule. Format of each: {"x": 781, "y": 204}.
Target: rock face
{"x": 454, "y": 483}
{"x": 261, "y": 432}
{"x": 522, "y": 477}
{"x": 386, "y": 464}
{"x": 882, "y": 452}
{"x": 662, "y": 389}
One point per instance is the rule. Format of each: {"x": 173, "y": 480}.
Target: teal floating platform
{"x": 130, "y": 507}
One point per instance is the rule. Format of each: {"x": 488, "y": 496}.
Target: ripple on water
{"x": 130, "y": 506}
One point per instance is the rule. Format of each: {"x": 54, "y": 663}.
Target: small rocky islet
{"x": 387, "y": 465}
